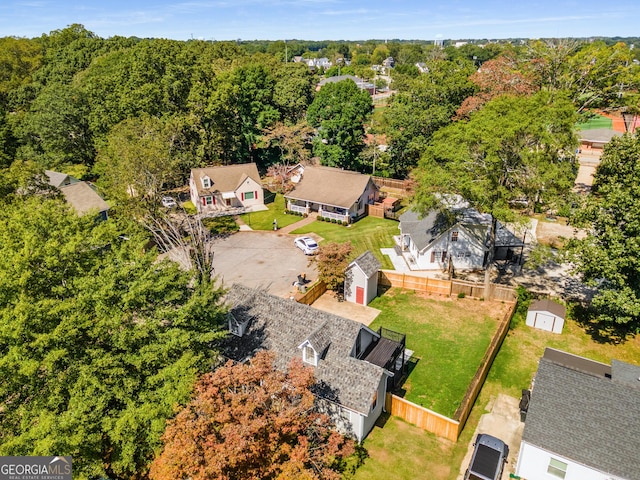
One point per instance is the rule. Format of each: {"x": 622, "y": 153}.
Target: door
{"x": 360, "y": 295}
{"x": 544, "y": 322}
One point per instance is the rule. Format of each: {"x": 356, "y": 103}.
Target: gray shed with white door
{"x": 546, "y": 315}
{"x": 361, "y": 279}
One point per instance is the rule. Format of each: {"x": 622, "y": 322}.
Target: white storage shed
{"x": 546, "y": 315}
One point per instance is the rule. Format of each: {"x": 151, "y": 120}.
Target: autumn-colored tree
{"x": 497, "y": 77}
{"x": 332, "y": 261}
{"x": 252, "y": 421}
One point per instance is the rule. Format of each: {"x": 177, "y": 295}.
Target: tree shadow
{"x": 603, "y": 333}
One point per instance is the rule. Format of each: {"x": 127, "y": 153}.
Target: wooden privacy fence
{"x": 313, "y": 293}
{"x": 463, "y": 411}
{"x": 390, "y": 278}
{"x": 422, "y": 417}
{"x": 391, "y": 183}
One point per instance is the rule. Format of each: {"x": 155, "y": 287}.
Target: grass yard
{"x": 368, "y": 233}
{"x": 448, "y": 336}
{"x": 404, "y": 452}
{"x": 264, "y": 220}
{"x": 398, "y": 450}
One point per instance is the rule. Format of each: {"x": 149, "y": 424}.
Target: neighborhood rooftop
{"x": 588, "y": 412}
{"x": 225, "y": 178}
{"x": 282, "y": 326}
{"x": 330, "y": 186}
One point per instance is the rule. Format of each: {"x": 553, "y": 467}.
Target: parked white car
{"x": 169, "y": 202}
{"x": 307, "y": 244}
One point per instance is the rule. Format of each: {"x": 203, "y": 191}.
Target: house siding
{"x": 220, "y": 203}
{"x": 533, "y": 463}
{"x": 456, "y": 251}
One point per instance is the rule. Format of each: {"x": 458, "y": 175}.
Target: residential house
{"x": 333, "y": 193}
{"x": 360, "y": 83}
{"x": 80, "y": 195}
{"x": 456, "y": 238}
{"x": 352, "y": 363}
{"x": 593, "y": 141}
{"x": 361, "y": 279}
{"x": 422, "y": 67}
{"x": 582, "y": 421}
{"x": 226, "y": 189}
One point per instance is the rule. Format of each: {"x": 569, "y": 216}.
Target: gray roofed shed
{"x": 585, "y": 415}
{"x": 361, "y": 279}
{"x": 546, "y": 315}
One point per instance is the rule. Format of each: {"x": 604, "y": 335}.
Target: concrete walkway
{"x": 300, "y": 223}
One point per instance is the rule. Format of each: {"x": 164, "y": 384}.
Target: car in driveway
{"x": 169, "y": 202}
{"x": 307, "y": 244}
{"x": 489, "y": 456}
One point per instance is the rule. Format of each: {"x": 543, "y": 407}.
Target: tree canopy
{"x": 98, "y": 340}
{"x": 252, "y": 421}
{"x": 609, "y": 257}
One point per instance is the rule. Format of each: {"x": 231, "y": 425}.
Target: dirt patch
{"x": 471, "y": 306}
{"x": 555, "y": 234}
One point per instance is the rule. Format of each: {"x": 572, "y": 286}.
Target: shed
{"x": 361, "y": 279}
{"x": 546, "y": 315}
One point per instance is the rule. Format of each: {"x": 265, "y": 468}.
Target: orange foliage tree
{"x": 252, "y": 421}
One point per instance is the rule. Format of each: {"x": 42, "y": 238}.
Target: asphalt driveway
{"x": 266, "y": 260}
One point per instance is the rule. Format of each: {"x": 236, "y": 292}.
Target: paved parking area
{"x": 503, "y": 422}
{"x": 266, "y": 260}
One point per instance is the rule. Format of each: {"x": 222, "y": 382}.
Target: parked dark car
{"x": 489, "y": 456}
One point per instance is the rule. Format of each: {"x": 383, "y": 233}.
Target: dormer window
{"x": 238, "y": 328}
{"x": 206, "y": 182}
{"x": 309, "y": 355}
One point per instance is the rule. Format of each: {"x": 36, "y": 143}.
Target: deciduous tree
{"x": 609, "y": 257}
{"x": 332, "y": 261}
{"x": 252, "y": 421}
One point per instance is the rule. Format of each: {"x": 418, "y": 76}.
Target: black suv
{"x": 488, "y": 458}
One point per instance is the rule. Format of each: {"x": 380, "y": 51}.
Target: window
{"x": 433, "y": 256}
{"x": 444, "y": 256}
{"x": 248, "y": 195}
{"x": 206, "y": 182}
{"x": 374, "y": 402}
{"x": 208, "y": 200}
{"x": 228, "y": 202}
{"x": 461, "y": 254}
{"x": 309, "y": 355}
{"x": 454, "y": 236}
{"x": 557, "y": 468}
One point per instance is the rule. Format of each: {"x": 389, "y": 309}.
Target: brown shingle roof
{"x": 225, "y": 178}
{"x": 547, "y": 305}
{"x": 330, "y": 186}
{"x": 83, "y": 198}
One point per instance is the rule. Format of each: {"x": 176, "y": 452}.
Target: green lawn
{"x": 264, "y": 220}
{"x": 368, "y": 233}
{"x": 449, "y": 337}
{"x": 595, "y": 122}
{"x": 404, "y": 452}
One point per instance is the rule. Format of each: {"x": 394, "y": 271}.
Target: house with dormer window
{"x": 354, "y": 366}
{"x": 226, "y": 189}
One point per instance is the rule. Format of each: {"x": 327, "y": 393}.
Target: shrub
{"x": 461, "y": 295}
{"x": 221, "y": 225}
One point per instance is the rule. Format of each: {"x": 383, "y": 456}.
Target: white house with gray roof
{"x": 333, "y": 193}
{"x": 458, "y": 236}
{"x": 583, "y": 421}
{"x": 351, "y": 373}
{"x": 226, "y": 189}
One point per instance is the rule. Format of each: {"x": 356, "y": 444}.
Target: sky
{"x": 324, "y": 19}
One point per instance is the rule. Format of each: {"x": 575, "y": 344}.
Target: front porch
{"x": 326, "y": 211}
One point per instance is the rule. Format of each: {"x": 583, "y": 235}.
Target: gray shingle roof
{"x": 368, "y": 263}
{"x": 281, "y": 325}
{"x": 225, "y": 178}
{"x": 603, "y": 135}
{"x": 330, "y": 186}
{"x": 58, "y": 179}
{"x": 587, "y": 417}
{"x": 423, "y": 230}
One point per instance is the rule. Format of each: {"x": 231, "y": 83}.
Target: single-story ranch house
{"x": 354, "y": 366}
{"x": 333, "y": 193}
{"x": 226, "y": 189}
